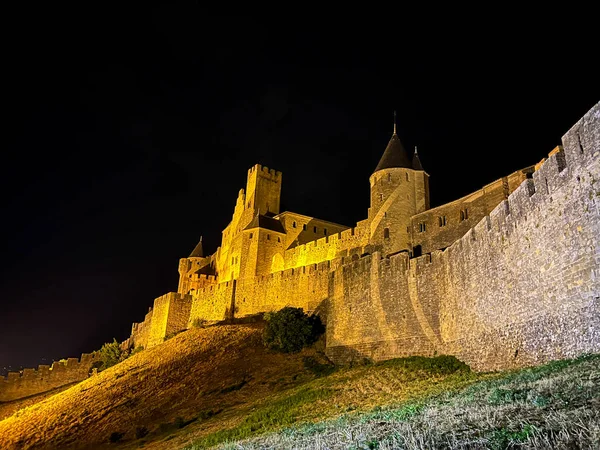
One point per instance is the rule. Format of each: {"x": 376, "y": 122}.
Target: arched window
{"x": 293, "y": 224}
{"x": 386, "y": 233}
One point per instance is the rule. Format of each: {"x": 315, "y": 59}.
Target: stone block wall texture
{"x": 29, "y": 382}
{"x": 520, "y": 288}
{"x": 212, "y": 303}
{"x": 447, "y": 223}
{"x": 170, "y": 315}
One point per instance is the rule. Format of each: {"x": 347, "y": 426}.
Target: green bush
{"x": 290, "y": 329}
{"x": 110, "y": 354}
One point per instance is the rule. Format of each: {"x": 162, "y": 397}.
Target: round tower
{"x": 399, "y": 190}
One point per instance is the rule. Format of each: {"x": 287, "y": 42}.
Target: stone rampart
{"x": 29, "y": 382}
{"x": 520, "y": 288}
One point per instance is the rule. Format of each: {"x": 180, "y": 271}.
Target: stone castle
{"x": 505, "y": 277}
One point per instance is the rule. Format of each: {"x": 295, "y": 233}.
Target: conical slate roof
{"x": 394, "y": 155}
{"x": 416, "y": 162}
{"x": 197, "y": 252}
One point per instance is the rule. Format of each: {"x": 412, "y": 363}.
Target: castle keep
{"x": 508, "y": 276}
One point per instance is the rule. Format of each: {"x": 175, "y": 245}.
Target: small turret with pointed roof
{"x": 416, "y": 162}
{"x": 198, "y": 252}
{"x": 394, "y": 155}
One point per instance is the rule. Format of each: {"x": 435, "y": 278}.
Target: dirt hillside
{"x": 158, "y": 398}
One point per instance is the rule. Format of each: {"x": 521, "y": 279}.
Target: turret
{"x": 399, "y": 190}
{"x": 194, "y": 264}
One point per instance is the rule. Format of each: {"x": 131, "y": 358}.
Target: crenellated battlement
{"x": 265, "y": 172}
{"x": 30, "y": 381}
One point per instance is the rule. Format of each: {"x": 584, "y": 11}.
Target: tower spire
{"x": 394, "y": 122}
{"x": 198, "y": 251}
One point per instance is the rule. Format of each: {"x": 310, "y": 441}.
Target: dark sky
{"x": 129, "y": 134}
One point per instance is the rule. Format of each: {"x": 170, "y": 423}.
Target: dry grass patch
{"x": 554, "y": 406}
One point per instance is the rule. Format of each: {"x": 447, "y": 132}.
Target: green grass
{"x": 271, "y": 416}
{"x": 330, "y": 394}
{"x": 556, "y": 405}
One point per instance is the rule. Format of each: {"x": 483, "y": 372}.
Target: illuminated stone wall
{"x": 212, "y": 303}
{"x": 522, "y": 287}
{"x": 170, "y": 315}
{"x": 30, "y": 381}
{"x": 438, "y": 228}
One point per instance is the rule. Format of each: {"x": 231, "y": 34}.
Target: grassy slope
{"x": 555, "y": 406}
{"x": 209, "y": 386}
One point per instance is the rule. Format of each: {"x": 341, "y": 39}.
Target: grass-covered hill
{"x": 220, "y": 386}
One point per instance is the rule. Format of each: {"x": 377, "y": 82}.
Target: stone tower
{"x": 263, "y": 190}
{"x": 194, "y": 264}
{"x": 399, "y": 190}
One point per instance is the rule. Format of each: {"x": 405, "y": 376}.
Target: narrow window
{"x": 304, "y": 227}
{"x": 466, "y": 214}
{"x": 462, "y": 215}
{"x": 325, "y": 231}
{"x": 268, "y": 237}
{"x": 422, "y": 227}
{"x": 381, "y": 197}
{"x": 440, "y": 221}
{"x": 293, "y": 224}
{"x": 386, "y": 233}
{"x": 407, "y": 176}
{"x": 278, "y": 239}
{"x": 389, "y": 177}
{"x": 314, "y": 229}
{"x": 385, "y": 214}
{"x": 250, "y": 235}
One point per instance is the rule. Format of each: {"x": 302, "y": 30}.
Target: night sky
{"x": 128, "y": 135}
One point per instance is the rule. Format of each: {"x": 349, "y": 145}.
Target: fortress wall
{"x": 169, "y": 315}
{"x": 139, "y": 333}
{"x": 522, "y": 287}
{"x": 528, "y": 289}
{"x": 211, "y": 303}
{"x": 477, "y": 205}
{"x": 30, "y": 381}
{"x": 371, "y": 311}
{"x": 303, "y": 287}
{"x": 327, "y": 248}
